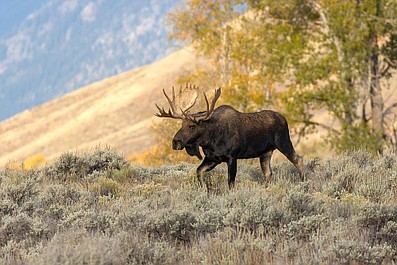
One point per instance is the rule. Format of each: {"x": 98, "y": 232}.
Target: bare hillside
{"x": 117, "y": 112}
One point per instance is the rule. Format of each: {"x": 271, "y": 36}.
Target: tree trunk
{"x": 375, "y": 94}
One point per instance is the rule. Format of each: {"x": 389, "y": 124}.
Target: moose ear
{"x": 194, "y": 150}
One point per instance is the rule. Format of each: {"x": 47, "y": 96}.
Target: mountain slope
{"x": 65, "y": 45}
{"x": 117, "y": 112}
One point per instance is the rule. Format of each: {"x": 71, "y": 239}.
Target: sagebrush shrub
{"x": 305, "y": 227}
{"x": 94, "y": 208}
{"x": 72, "y": 166}
{"x": 103, "y": 159}
{"x": 176, "y": 225}
{"x": 106, "y": 187}
{"x": 375, "y": 215}
{"x": 301, "y": 204}
{"x": 388, "y": 233}
{"x": 348, "y": 252}
{"x": 19, "y": 186}
{"x": 66, "y": 166}
{"x": 20, "y": 228}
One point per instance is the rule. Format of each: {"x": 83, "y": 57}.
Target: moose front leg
{"x": 232, "y": 171}
{"x": 205, "y": 166}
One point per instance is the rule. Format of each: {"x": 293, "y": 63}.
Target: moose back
{"x": 226, "y": 135}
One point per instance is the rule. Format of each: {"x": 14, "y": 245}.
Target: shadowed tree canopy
{"x": 302, "y": 57}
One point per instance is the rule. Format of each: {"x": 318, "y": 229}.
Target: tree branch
{"x": 389, "y": 109}
{"x": 328, "y": 128}
{"x": 327, "y": 29}
{"x": 389, "y": 62}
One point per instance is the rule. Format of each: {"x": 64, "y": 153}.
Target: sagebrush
{"x": 97, "y": 208}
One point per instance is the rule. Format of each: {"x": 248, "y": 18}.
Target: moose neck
{"x": 206, "y": 140}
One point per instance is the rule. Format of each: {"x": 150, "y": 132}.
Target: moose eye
{"x": 192, "y": 127}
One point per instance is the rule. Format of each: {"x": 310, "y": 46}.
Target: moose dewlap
{"x": 225, "y": 135}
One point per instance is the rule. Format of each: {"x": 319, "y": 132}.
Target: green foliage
{"x": 300, "y": 57}
{"x": 345, "y": 212}
{"x": 356, "y": 137}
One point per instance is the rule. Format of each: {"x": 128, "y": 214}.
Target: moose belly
{"x": 245, "y": 152}
{"x": 216, "y": 156}
{"x": 254, "y": 151}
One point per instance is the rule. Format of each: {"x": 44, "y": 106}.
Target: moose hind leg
{"x": 232, "y": 171}
{"x": 265, "y": 166}
{"x": 205, "y": 166}
{"x": 288, "y": 150}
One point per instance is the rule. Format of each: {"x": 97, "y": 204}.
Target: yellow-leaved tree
{"x": 300, "y": 57}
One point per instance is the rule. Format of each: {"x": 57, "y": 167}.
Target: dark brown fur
{"x": 229, "y": 135}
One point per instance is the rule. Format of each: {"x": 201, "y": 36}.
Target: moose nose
{"x": 177, "y": 145}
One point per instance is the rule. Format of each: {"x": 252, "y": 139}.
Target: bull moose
{"x": 225, "y": 135}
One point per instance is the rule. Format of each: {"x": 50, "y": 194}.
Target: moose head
{"x": 193, "y": 124}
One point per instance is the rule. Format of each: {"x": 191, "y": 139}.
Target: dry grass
{"x": 97, "y": 208}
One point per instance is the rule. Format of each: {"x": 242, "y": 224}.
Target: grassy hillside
{"x": 117, "y": 111}
{"x": 96, "y": 208}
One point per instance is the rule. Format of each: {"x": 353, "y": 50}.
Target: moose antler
{"x": 173, "y": 112}
{"x": 210, "y": 109}
{"x": 195, "y": 117}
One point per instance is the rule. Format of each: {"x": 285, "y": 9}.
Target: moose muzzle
{"x": 177, "y": 144}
